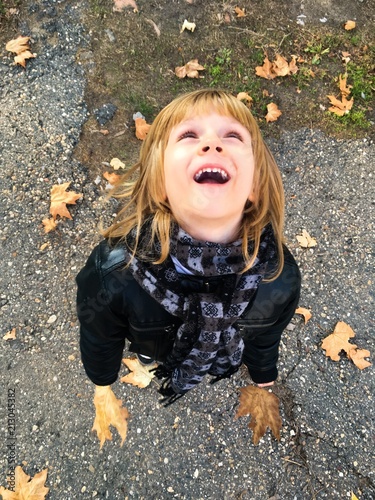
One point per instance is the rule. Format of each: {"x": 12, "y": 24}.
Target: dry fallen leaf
{"x": 188, "y": 26}
{"x": 112, "y": 178}
{"x": 26, "y": 489}
{"x": 60, "y": 198}
{"x": 357, "y": 356}
{"x": 305, "y": 240}
{"x": 20, "y": 46}
{"x": 116, "y": 164}
{"x": 119, "y": 5}
{"x": 109, "y": 411}
{"x": 263, "y": 406}
{"x": 280, "y": 67}
{"x": 240, "y": 12}
{"x": 244, "y": 96}
{"x": 306, "y": 313}
{"x": 49, "y": 225}
{"x": 11, "y": 335}
{"x": 190, "y": 70}
{"x": 345, "y": 89}
{"x": 140, "y": 375}
{"x": 339, "y": 341}
{"x": 342, "y": 107}
{"x": 265, "y": 71}
{"x": 273, "y": 112}
{"x": 141, "y": 128}
{"x": 349, "y": 25}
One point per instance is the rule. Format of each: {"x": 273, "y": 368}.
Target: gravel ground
{"x": 195, "y": 449}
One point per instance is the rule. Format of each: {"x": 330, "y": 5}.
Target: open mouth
{"x": 211, "y": 176}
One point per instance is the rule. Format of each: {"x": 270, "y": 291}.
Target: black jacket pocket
{"x": 155, "y": 341}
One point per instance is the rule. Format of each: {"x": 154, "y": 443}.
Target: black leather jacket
{"x": 113, "y": 307}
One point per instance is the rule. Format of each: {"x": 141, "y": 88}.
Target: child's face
{"x": 209, "y": 167}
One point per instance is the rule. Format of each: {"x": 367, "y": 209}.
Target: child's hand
{"x": 267, "y": 384}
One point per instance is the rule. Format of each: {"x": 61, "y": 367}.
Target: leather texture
{"x": 112, "y": 308}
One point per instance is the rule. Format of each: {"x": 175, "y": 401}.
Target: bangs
{"x": 198, "y": 103}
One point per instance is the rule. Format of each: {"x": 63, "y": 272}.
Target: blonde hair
{"x": 146, "y": 197}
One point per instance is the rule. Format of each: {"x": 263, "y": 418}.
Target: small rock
{"x": 105, "y": 113}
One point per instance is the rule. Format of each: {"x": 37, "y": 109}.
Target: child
{"x": 193, "y": 272}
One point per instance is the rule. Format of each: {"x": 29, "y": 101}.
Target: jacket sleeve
{"x": 263, "y": 325}
{"x": 103, "y": 323}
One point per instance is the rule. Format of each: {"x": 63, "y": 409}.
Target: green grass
{"x": 362, "y": 80}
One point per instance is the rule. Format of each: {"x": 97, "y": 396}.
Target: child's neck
{"x": 210, "y": 232}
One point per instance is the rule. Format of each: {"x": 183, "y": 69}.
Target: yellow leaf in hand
{"x": 263, "y": 406}
{"x": 140, "y": 375}
{"x": 109, "y": 411}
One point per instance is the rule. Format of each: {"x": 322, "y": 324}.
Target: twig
{"x": 293, "y": 462}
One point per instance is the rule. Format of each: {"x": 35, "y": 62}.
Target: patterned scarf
{"x": 207, "y": 341}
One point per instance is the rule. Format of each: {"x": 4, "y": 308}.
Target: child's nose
{"x": 212, "y": 144}
{"x": 219, "y": 149}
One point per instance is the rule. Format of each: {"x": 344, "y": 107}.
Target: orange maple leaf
{"x": 265, "y": 71}
{"x": 60, "y": 198}
{"x": 349, "y": 25}
{"x": 112, "y": 178}
{"x": 109, "y": 411}
{"x": 306, "y": 313}
{"x": 357, "y": 356}
{"x": 273, "y": 112}
{"x": 49, "y": 225}
{"x": 344, "y": 88}
{"x": 140, "y": 375}
{"x": 191, "y": 70}
{"x": 280, "y": 66}
{"x": 244, "y": 96}
{"x": 342, "y": 107}
{"x": 141, "y": 128}
{"x": 11, "y": 335}
{"x": 339, "y": 341}
{"x": 263, "y": 406}
{"x": 26, "y": 489}
{"x": 240, "y": 12}
{"x": 20, "y": 46}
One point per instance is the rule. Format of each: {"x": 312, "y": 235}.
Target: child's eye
{"x": 236, "y": 135}
{"x": 187, "y": 134}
